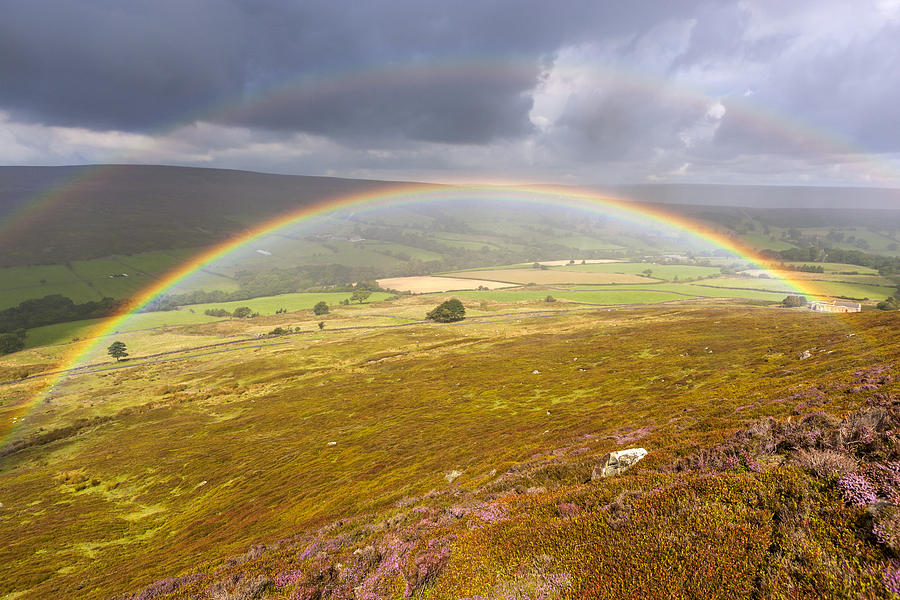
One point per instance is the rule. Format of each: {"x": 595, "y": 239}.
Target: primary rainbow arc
{"x": 404, "y": 194}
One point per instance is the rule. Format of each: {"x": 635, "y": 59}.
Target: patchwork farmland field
{"x": 553, "y": 276}
{"x": 424, "y": 284}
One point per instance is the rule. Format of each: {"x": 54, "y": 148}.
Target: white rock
{"x": 806, "y": 354}
{"x": 617, "y": 462}
{"x": 535, "y": 372}
{"x": 452, "y": 475}
{"x": 332, "y": 443}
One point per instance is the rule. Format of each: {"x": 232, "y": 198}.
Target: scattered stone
{"x": 452, "y": 475}
{"x": 617, "y": 462}
{"x": 805, "y": 354}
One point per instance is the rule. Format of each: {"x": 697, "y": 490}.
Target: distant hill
{"x": 53, "y": 215}
{"x": 93, "y": 211}
{"x": 766, "y": 196}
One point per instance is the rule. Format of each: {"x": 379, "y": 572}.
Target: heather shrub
{"x": 885, "y": 477}
{"x": 619, "y": 510}
{"x": 891, "y": 578}
{"x": 857, "y": 490}
{"x": 426, "y": 565}
{"x": 824, "y": 463}
{"x": 166, "y": 586}
{"x": 568, "y": 510}
{"x": 886, "y": 527}
{"x": 237, "y": 587}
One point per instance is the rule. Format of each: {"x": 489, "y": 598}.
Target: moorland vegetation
{"x": 768, "y": 474}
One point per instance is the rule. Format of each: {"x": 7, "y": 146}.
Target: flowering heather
{"x": 490, "y": 513}
{"x": 323, "y": 546}
{"x": 857, "y": 490}
{"x": 886, "y": 527}
{"x": 288, "y": 578}
{"x": 891, "y": 577}
{"x": 876, "y": 375}
{"x": 628, "y": 435}
{"x": 886, "y": 478}
{"x": 567, "y": 509}
{"x": 166, "y": 586}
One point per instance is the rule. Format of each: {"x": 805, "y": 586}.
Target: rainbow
{"x": 411, "y": 194}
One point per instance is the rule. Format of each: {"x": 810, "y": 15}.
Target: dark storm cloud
{"x": 135, "y": 66}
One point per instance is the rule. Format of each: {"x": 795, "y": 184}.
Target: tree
{"x": 360, "y": 295}
{"x": 321, "y": 325}
{"x": 11, "y": 342}
{"x": 890, "y": 303}
{"x": 117, "y": 350}
{"x": 448, "y": 312}
{"x": 320, "y": 308}
{"x": 242, "y": 312}
{"x": 549, "y": 299}
{"x": 794, "y": 301}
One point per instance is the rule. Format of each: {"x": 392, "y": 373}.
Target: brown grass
{"x": 426, "y": 284}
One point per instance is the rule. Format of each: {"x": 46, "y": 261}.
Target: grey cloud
{"x": 623, "y": 122}
{"x": 137, "y": 66}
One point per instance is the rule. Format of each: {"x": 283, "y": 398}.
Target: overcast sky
{"x": 584, "y": 92}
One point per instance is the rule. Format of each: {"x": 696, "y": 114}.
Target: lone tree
{"x": 11, "y": 342}
{"x": 321, "y": 325}
{"x": 242, "y": 312}
{"x": 360, "y": 295}
{"x": 320, "y": 308}
{"x": 117, "y": 350}
{"x": 448, "y": 312}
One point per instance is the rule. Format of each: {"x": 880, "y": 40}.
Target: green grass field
{"x": 622, "y": 294}
{"x": 659, "y": 271}
{"x": 76, "y": 290}
{"x": 20, "y": 277}
{"x": 838, "y": 267}
{"x": 298, "y": 301}
{"x": 832, "y": 288}
{"x": 156, "y": 262}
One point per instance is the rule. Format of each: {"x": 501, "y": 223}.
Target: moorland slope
{"x": 449, "y": 461}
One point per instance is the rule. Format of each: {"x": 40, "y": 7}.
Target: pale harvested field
{"x": 426, "y": 284}
{"x": 590, "y": 261}
{"x": 551, "y": 276}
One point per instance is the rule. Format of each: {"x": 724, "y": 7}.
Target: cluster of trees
{"x": 794, "y": 301}
{"x": 12, "y": 342}
{"x": 890, "y": 303}
{"x": 886, "y": 265}
{"x": 804, "y": 268}
{"x": 53, "y": 309}
{"x": 254, "y": 284}
{"x": 448, "y": 312}
{"x": 241, "y": 312}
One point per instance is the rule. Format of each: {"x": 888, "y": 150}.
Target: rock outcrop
{"x": 617, "y": 462}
